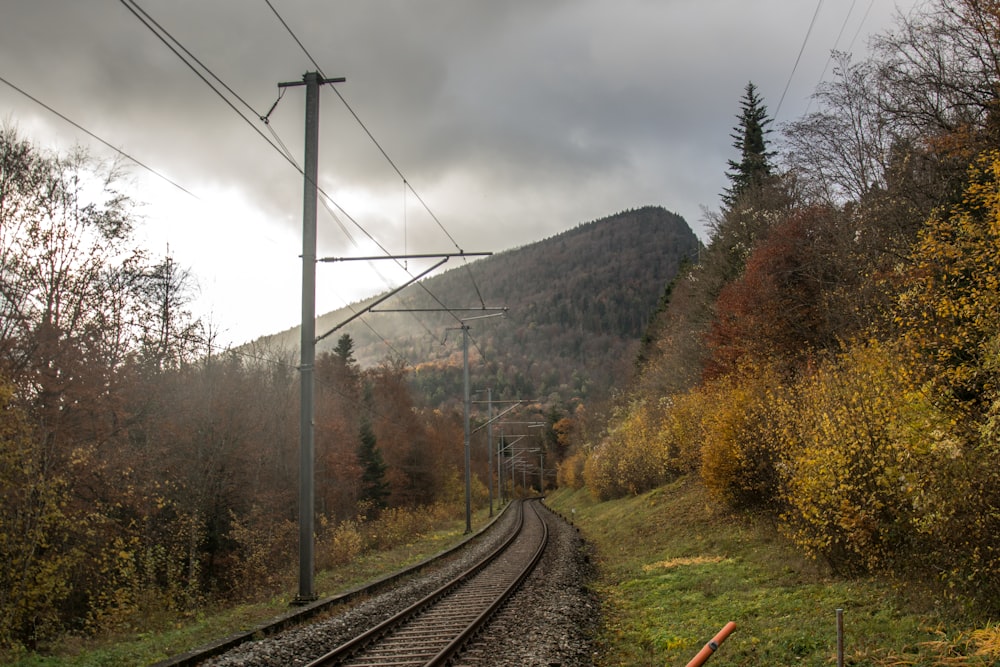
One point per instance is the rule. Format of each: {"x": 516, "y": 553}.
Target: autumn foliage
{"x": 849, "y": 338}
{"x": 144, "y": 471}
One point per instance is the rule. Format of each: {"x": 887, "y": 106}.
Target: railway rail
{"x": 434, "y": 630}
{"x": 301, "y": 616}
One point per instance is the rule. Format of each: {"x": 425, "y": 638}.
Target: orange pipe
{"x": 705, "y": 653}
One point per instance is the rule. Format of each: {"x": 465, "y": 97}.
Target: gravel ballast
{"x": 549, "y": 622}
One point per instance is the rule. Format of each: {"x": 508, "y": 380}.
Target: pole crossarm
{"x": 433, "y": 255}
{"x": 382, "y": 299}
{"x": 438, "y": 310}
{"x": 487, "y": 423}
{"x": 318, "y": 81}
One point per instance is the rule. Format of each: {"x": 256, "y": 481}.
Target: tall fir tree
{"x": 749, "y": 138}
{"x": 345, "y": 349}
{"x": 374, "y": 487}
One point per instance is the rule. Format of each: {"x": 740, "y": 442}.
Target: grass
{"x": 674, "y": 571}
{"x": 160, "y": 638}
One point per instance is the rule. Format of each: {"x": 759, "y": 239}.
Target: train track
{"x": 433, "y": 630}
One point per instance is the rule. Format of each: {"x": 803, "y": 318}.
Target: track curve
{"x": 434, "y": 630}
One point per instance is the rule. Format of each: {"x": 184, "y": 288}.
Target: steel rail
{"x": 438, "y": 644}
{"x": 302, "y": 615}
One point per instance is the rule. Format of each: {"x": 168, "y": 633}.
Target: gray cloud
{"x": 514, "y": 120}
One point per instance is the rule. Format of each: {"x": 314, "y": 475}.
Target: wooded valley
{"x": 831, "y": 360}
{"x": 145, "y": 471}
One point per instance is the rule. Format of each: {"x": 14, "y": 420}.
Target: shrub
{"x": 569, "y": 473}
{"x": 739, "y": 449}
{"x": 853, "y": 468}
{"x": 263, "y": 549}
{"x": 682, "y": 430}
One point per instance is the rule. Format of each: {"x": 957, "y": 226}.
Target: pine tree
{"x": 750, "y": 139}
{"x": 374, "y": 487}
{"x": 345, "y": 349}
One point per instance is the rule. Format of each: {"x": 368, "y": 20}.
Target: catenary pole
{"x": 489, "y": 441}
{"x": 468, "y": 459}
{"x": 312, "y": 82}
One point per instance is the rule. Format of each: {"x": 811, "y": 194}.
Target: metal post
{"x": 840, "y": 638}
{"x": 500, "y": 479}
{"x": 468, "y": 474}
{"x": 513, "y": 481}
{"x": 307, "y": 592}
{"x": 489, "y": 441}
{"x": 312, "y": 81}
{"x": 541, "y": 471}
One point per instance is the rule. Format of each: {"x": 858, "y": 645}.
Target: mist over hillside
{"x": 578, "y": 303}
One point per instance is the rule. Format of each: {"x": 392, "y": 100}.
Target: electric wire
{"x": 150, "y": 22}
{"x": 195, "y": 59}
{"x": 798, "y": 58}
{"x": 836, "y": 42}
{"x": 382, "y": 150}
{"x": 169, "y": 41}
{"x": 860, "y": 25}
{"x": 138, "y": 12}
{"x": 94, "y": 136}
{"x": 328, "y": 203}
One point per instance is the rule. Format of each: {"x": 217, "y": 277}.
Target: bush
{"x": 569, "y": 473}
{"x": 262, "y": 552}
{"x": 852, "y": 443}
{"x": 633, "y": 457}
{"x": 682, "y": 431}
{"x": 740, "y": 452}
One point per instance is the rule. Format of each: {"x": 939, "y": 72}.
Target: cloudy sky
{"x": 511, "y": 120}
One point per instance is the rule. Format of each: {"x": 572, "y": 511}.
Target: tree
{"x": 345, "y": 350}
{"x": 941, "y": 70}
{"x": 34, "y": 528}
{"x": 374, "y": 487}
{"x": 950, "y": 309}
{"x": 754, "y": 167}
{"x": 796, "y": 296}
{"x": 841, "y": 152}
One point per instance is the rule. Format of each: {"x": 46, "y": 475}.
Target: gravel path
{"x": 547, "y": 623}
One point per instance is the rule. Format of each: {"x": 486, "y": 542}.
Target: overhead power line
{"x": 798, "y": 57}
{"x": 170, "y": 41}
{"x": 381, "y": 150}
{"x": 189, "y": 59}
{"x": 94, "y": 136}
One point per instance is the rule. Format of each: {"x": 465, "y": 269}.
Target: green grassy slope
{"x": 674, "y": 571}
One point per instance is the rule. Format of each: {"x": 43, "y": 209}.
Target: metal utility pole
{"x": 312, "y": 82}
{"x": 489, "y": 441}
{"x": 466, "y": 402}
{"x": 468, "y": 461}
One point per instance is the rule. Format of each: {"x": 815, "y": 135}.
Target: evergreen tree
{"x": 374, "y": 487}
{"x": 750, "y": 139}
{"x": 345, "y": 349}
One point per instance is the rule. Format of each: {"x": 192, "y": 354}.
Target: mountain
{"x": 578, "y": 303}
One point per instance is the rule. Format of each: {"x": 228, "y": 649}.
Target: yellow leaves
{"x": 951, "y": 305}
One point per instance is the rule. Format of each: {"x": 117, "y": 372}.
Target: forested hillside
{"x": 146, "y": 473}
{"x": 834, "y": 360}
{"x": 579, "y": 302}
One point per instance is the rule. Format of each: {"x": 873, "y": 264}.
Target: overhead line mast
{"x": 312, "y": 81}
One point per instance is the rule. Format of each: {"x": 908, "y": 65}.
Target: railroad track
{"x": 433, "y": 630}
